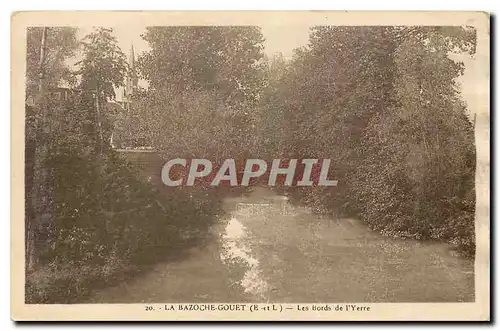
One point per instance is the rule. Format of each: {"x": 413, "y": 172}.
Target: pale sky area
{"x": 285, "y": 39}
{"x": 278, "y": 38}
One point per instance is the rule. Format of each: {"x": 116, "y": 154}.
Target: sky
{"x": 285, "y": 39}
{"x": 277, "y": 38}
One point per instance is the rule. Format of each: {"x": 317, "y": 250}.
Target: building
{"x": 131, "y": 81}
{"x": 126, "y": 133}
{"x": 60, "y": 93}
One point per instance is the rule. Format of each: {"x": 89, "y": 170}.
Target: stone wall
{"x": 149, "y": 163}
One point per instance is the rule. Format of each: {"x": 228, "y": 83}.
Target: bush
{"x": 107, "y": 224}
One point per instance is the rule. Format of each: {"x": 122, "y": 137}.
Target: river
{"x": 268, "y": 250}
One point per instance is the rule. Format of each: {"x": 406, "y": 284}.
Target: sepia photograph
{"x": 273, "y": 165}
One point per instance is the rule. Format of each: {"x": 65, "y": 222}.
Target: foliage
{"x": 384, "y": 105}
{"x": 222, "y": 59}
{"x": 61, "y": 44}
{"x": 425, "y": 149}
{"x": 107, "y": 222}
{"x": 101, "y": 70}
{"x": 381, "y": 102}
{"x": 104, "y": 65}
{"x": 270, "y": 119}
{"x": 203, "y": 87}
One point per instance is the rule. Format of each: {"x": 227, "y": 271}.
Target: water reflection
{"x": 235, "y": 250}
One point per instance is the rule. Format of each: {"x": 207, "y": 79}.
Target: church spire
{"x": 131, "y": 58}
{"x": 132, "y": 80}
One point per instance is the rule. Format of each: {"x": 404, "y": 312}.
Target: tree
{"x": 222, "y": 59}
{"x": 426, "y": 146}
{"x": 270, "y": 123}
{"x": 47, "y": 49}
{"x": 60, "y": 44}
{"x": 216, "y": 70}
{"x": 102, "y": 69}
{"x": 384, "y": 104}
{"x": 329, "y": 92}
{"x": 99, "y": 219}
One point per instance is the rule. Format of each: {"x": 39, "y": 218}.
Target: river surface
{"x": 268, "y": 250}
